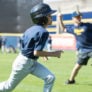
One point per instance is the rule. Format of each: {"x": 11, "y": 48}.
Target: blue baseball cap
{"x": 75, "y": 14}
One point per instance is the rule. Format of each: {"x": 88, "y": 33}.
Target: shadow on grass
{"x": 84, "y": 83}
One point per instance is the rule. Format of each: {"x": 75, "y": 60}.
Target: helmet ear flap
{"x": 41, "y": 21}
{"x": 45, "y": 20}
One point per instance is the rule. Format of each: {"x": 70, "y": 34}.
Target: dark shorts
{"x": 83, "y": 57}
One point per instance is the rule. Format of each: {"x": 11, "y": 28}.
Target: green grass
{"x": 60, "y": 67}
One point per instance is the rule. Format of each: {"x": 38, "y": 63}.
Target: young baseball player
{"x": 83, "y": 35}
{"x": 33, "y": 42}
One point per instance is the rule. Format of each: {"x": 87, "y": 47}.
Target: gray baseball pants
{"x": 23, "y": 66}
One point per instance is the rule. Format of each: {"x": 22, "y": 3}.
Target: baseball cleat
{"x": 70, "y": 82}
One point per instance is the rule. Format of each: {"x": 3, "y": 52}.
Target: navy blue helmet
{"x": 40, "y": 10}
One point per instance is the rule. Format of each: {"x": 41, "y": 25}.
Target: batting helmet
{"x": 39, "y": 11}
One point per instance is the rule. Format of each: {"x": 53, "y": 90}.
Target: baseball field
{"x": 60, "y": 67}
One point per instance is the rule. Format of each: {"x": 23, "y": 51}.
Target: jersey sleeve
{"x": 41, "y": 40}
{"x": 70, "y": 30}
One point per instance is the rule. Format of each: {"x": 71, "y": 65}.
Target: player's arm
{"x": 38, "y": 50}
{"x": 51, "y": 54}
{"x": 63, "y": 28}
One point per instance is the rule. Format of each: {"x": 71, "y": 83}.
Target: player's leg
{"x": 3, "y": 48}
{"x": 20, "y": 69}
{"x": 82, "y": 60}
{"x": 43, "y": 73}
{"x": 74, "y": 74}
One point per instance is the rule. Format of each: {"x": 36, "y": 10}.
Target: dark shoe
{"x": 70, "y": 82}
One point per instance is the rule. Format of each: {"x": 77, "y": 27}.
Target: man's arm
{"x": 63, "y": 28}
{"x": 46, "y": 54}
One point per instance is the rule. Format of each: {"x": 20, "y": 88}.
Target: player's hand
{"x": 58, "y": 53}
{"x": 45, "y": 58}
{"x": 59, "y": 15}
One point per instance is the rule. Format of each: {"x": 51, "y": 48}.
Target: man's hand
{"x": 45, "y": 58}
{"x": 58, "y": 53}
